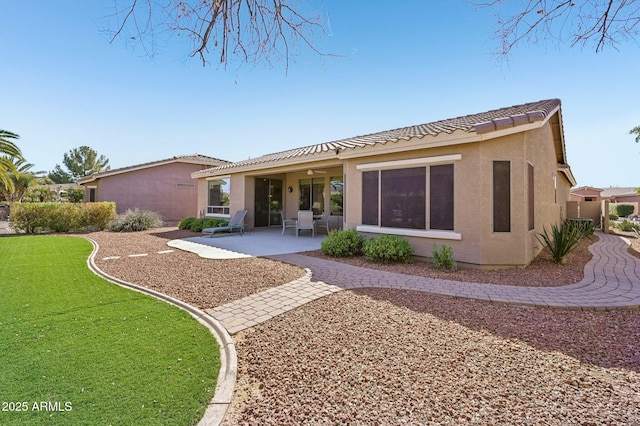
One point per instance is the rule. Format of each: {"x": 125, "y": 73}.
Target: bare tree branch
{"x": 252, "y": 31}
{"x": 598, "y": 23}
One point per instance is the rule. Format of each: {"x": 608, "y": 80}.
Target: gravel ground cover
{"x": 379, "y": 356}
{"x": 204, "y": 283}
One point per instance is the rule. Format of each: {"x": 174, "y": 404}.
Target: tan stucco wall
{"x": 473, "y": 204}
{"x": 166, "y": 189}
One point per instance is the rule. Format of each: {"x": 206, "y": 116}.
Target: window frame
{"x": 509, "y": 195}
{"x": 412, "y": 163}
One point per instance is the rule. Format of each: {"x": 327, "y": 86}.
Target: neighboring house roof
{"x": 191, "y": 159}
{"x": 470, "y": 125}
{"x": 586, "y": 188}
{"x": 619, "y": 192}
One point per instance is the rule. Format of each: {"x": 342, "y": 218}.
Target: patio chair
{"x": 287, "y": 223}
{"x": 235, "y": 224}
{"x": 323, "y": 224}
{"x": 305, "y": 221}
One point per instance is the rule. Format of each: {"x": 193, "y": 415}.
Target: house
{"x": 484, "y": 184}
{"x": 626, "y": 195}
{"x": 619, "y": 195}
{"x": 586, "y": 193}
{"x": 164, "y": 186}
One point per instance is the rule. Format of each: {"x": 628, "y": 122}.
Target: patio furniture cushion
{"x": 305, "y": 222}
{"x": 235, "y": 224}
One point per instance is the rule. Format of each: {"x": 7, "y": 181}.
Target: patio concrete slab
{"x": 259, "y": 242}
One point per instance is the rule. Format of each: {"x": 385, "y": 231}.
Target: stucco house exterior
{"x": 483, "y": 184}
{"x": 586, "y": 193}
{"x": 623, "y": 195}
{"x": 614, "y": 194}
{"x": 163, "y": 186}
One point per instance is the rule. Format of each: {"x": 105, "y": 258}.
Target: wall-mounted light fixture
{"x": 290, "y": 189}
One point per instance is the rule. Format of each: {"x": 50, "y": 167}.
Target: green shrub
{"x": 627, "y": 226}
{"x": 186, "y": 223}
{"x": 622, "y": 210}
{"x": 198, "y": 224}
{"x": 443, "y": 258}
{"x": 342, "y": 243}
{"x": 60, "y": 217}
{"x": 388, "y": 249}
{"x": 561, "y": 241}
{"x": 613, "y": 216}
{"x": 99, "y": 215}
{"x": 135, "y": 220}
{"x": 585, "y": 227}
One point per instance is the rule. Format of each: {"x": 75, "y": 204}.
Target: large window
{"x": 397, "y": 198}
{"x": 337, "y": 195}
{"x": 501, "y": 196}
{"x": 441, "y": 197}
{"x": 530, "y": 197}
{"x": 218, "y": 197}
{"x": 403, "y": 198}
{"x": 370, "y": 197}
{"x": 312, "y": 195}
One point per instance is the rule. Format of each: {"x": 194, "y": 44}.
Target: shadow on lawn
{"x": 606, "y": 339}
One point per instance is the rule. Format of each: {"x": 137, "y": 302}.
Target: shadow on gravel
{"x": 607, "y": 338}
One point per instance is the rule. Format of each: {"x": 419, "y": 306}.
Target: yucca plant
{"x": 561, "y": 241}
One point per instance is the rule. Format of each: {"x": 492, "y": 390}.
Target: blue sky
{"x": 63, "y": 86}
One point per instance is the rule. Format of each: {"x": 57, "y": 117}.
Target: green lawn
{"x": 76, "y": 349}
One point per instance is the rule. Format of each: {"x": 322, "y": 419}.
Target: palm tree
{"x": 22, "y": 178}
{"x": 9, "y": 150}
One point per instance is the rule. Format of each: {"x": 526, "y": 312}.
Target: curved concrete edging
{"x": 225, "y": 384}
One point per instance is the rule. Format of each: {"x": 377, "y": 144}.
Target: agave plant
{"x": 561, "y": 241}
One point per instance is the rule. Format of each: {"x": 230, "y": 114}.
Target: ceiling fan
{"x": 312, "y": 172}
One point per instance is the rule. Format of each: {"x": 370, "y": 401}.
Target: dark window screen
{"x": 531, "y": 201}
{"x": 441, "y": 197}
{"x": 370, "y": 198}
{"x": 501, "y": 196}
{"x": 403, "y": 198}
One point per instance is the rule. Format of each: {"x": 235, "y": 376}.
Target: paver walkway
{"x": 611, "y": 281}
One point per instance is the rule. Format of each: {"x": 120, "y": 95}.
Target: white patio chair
{"x": 305, "y": 222}
{"x": 287, "y": 223}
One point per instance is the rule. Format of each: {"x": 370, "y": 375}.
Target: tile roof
{"x": 194, "y": 158}
{"x": 481, "y": 123}
{"x": 619, "y": 192}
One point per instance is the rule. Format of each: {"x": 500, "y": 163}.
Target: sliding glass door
{"x": 268, "y": 202}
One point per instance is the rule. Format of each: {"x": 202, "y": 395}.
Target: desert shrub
{"x": 562, "y": 239}
{"x": 388, "y": 249}
{"x": 186, "y": 223}
{"x": 585, "y": 227}
{"x": 622, "y": 210}
{"x": 60, "y": 217}
{"x": 342, "y": 243}
{"x": 74, "y": 195}
{"x": 99, "y": 215}
{"x": 135, "y": 220}
{"x": 443, "y": 258}
{"x": 198, "y": 224}
{"x": 627, "y": 226}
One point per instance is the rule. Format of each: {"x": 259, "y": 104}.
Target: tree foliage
{"x": 80, "y": 162}
{"x": 253, "y": 31}
{"x": 636, "y": 131}
{"x": 22, "y": 179}
{"x": 8, "y": 151}
{"x": 592, "y": 23}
